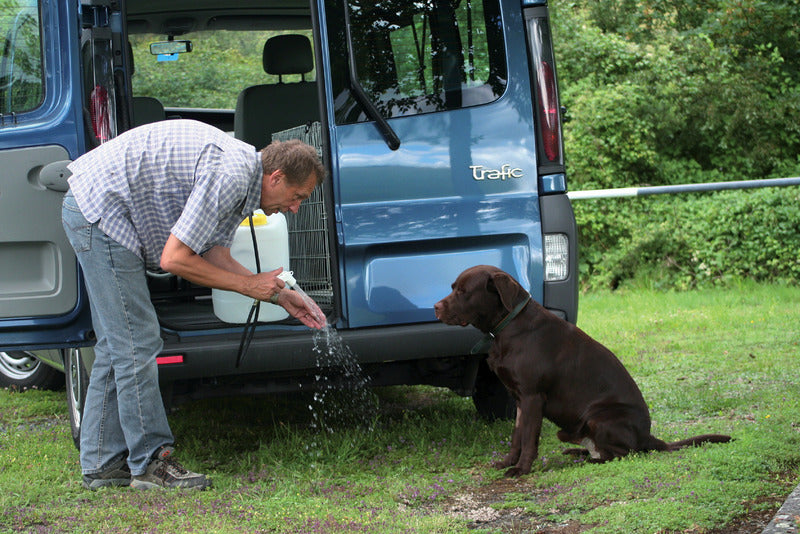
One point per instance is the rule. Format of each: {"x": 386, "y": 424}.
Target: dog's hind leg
{"x": 611, "y": 439}
{"x": 577, "y": 439}
{"x": 574, "y": 451}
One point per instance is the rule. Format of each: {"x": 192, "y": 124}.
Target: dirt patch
{"x": 478, "y": 507}
{"x": 749, "y": 523}
{"x": 33, "y": 424}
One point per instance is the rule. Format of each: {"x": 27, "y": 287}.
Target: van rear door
{"x": 441, "y": 174}
{"x": 42, "y": 128}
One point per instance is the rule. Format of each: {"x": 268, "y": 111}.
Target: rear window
{"x": 417, "y": 57}
{"x": 220, "y": 65}
{"x": 21, "y": 72}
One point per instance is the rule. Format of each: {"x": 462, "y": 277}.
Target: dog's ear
{"x": 511, "y": 293}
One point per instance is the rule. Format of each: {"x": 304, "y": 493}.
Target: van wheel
{"x": 19, "y": 369}
{"x": 491, "y": 398}
{"x": 77, "y": 385}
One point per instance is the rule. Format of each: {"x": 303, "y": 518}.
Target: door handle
{"x": 54, "y": 176}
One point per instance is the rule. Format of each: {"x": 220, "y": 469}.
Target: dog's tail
{"x": 698, "y": 440}
{"x": 655, "y": 444}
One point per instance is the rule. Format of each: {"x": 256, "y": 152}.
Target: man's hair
{"x": 295, "y": 159}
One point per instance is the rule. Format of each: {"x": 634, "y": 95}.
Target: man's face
{"x": 277, "y": 195}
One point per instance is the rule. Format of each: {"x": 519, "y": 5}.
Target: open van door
{"x": 49, "y": 100}
{"x": 425, "y": 103}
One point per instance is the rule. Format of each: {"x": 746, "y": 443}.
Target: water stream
{"x": 342, "y": 397}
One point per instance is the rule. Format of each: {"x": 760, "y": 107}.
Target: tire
{"x": 491, "y": 398}
{"x": 20, "y": 370}
{"x": 77, "y": 379}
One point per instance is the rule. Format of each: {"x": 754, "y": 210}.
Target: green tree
{"x": 682, "y": 91}
{"x": 716, "y": 80}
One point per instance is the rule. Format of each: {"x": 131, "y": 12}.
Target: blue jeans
{"x": 124, "y": 413}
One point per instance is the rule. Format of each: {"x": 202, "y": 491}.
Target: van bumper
{"x": 293, "y": 351}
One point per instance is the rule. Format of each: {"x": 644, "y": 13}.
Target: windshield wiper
{"x": 372, "y": 112}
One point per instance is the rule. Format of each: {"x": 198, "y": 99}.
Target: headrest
{"x": 288, "y": 54}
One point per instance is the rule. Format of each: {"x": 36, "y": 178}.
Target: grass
{"x": 721, "y": 360}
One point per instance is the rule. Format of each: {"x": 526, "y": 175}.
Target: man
{"x": 169, "y": 196}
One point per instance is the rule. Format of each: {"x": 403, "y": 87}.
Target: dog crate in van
{"x": 439, "y": 124}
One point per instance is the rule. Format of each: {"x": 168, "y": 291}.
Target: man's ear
{"x": 511, "y": 293}
{"x": 276, "y": 176}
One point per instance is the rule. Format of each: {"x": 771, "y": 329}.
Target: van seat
{"x": 147, "y": 109}
{"x": 262, "y": 110}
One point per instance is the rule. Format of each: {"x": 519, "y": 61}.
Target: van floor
{"x": 197, "y": 314}
{"x": 182, "y": 306}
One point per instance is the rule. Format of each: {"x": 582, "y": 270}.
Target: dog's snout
{"x": 438, "y": 309}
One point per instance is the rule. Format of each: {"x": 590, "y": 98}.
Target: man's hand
{"x": 217, "y": 269}
{"x": 306, "y": 311}
{"x": 263, "y": 286}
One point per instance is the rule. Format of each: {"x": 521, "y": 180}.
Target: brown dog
{"x": 553, "y": 370}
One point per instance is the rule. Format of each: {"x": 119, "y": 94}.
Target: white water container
{"x": 272, "y": 237}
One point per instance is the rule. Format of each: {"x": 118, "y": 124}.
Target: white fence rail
{"x": 685, "y": 188}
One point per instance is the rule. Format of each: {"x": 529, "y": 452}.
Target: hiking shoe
{"x": 116, "y": 474}
{"x": 165, "y": 472}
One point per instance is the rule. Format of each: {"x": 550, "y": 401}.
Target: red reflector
{"x": 98, "y": 109}
{"x": 168, "y": 360}
{"x": 548, "y": 112}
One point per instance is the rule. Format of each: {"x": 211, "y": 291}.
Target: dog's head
{"x": 481, "y": 296}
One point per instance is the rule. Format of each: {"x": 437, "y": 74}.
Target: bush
{"x": 690, "y": 241}
{"x": 664, "y": 93}
{"x": 613, "y": 138}
{"x": 647, "y": 98}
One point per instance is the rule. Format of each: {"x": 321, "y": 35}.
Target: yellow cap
{"x": 259, "y": 219}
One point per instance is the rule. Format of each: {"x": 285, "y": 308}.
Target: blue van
{"x": 439, "y": 123}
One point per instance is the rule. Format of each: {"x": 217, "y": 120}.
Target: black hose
{"x": 252, "y": 317}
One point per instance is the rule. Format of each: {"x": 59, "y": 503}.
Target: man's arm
{"x": 222, "y": 258}
{"x": 217, "y": 269}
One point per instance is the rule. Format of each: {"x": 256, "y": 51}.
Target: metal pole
{"x": 685, "y": 188}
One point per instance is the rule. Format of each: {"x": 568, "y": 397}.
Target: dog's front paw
{"x": 516, "y": 471}
{"x": 505, "y": 462}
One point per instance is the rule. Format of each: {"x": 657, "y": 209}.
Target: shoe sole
{"x": 106, "y": 482}
{"x": 145, "y": 485}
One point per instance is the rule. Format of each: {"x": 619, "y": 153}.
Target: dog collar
{"x": 484, "y": 344}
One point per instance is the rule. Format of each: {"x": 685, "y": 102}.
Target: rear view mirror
{"x": 170, "y": 47}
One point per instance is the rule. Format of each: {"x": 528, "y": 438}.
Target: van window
{"x": 418, "y": 57}
{"x": 21, "y": 73}
{"x": 193, "y": 80}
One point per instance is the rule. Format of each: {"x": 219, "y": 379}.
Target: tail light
{"x": 101, "y": 100}
{"x": 556, "y": 257}
{"x": 169, "y": 360}
{"x": 98, "y": 110}
{"x": 543, "y": 68}
{"x": 548, "y": 112}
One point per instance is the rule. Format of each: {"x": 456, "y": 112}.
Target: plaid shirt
{"x": 176, "y": 176}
